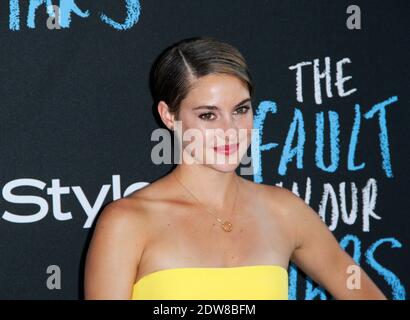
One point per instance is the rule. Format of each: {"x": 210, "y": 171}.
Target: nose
{"x": 229, "y": 129}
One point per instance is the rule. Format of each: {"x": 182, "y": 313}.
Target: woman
{"x": 202, "y": 231}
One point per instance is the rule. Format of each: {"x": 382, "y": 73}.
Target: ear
{"x": 166, "y": 115}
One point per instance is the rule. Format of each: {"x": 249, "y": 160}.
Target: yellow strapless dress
{"x": 257, "y": 282}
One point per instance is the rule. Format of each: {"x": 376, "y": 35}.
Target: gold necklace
{"x": 226, "y": 225}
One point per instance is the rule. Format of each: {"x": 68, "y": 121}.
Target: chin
{"x": 225, "y": 168}
{"x": 223, "y": 163}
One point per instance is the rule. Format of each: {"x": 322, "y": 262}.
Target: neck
{"x": 214, "y": 189}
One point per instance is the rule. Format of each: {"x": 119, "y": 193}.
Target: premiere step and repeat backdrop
{"x": 76, "y": 118}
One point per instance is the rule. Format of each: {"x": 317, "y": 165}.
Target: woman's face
{"x": 216, "y": 122}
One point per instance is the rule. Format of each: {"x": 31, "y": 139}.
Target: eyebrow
{"x": 215, "y": 107}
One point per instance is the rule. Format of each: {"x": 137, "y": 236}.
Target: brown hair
{"x": 175, "y": 70}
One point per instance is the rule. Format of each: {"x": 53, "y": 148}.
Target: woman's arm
{"x": 320, "y": 256}
{"x": 114, "y": 252}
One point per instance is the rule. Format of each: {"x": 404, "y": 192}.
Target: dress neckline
{"x": 148, "y": 275}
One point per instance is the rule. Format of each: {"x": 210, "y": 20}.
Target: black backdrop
{"x": 76, "y": 113}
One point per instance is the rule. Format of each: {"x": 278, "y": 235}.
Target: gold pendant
{"x": 227, "y": 226}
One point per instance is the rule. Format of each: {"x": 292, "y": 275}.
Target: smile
{"x": 227, "y": 149}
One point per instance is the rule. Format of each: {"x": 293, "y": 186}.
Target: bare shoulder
{"x": 121, "y": 224}
{"x": 302, "y": 219}
{"x": 292, "y": 206}
{"x": 280, "y": 199}
{"x": 133, "y": 209}
{"x": 132, "y": 213}
{"x": 285, "y": 208}
{"x": 124, "y": 213}
{"x": 115, "y": 250}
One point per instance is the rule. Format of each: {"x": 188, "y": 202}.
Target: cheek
{"x": 210, "y": 138}
{"x": 246, "y": 125}
{"x": 194, "y": 136}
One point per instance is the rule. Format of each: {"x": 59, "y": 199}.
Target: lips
{"x": 227, "y": 149}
